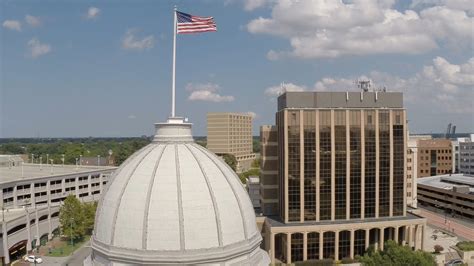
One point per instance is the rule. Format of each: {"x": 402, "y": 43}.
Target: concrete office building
{"x": 30, "y": 197}
{"x": 466, "y": 155}
{"x": 231, "y": 133}
{"x": 452, "y": 193}
{"x": 269, "y": 170}
{"x": 174, "y": 202}
{"x": 341, "y": 175}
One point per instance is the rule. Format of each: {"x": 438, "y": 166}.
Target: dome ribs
{"x": 211, "y": 193}
{"x": 197, "y": 146}
{"x": 148, "y": 199}
{"x": 180, "y": 200}
{"x": 123, "y": 191}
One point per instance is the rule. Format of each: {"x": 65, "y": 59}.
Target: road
{"x": 77, "y": 259}
{"x": 450, "y": 225}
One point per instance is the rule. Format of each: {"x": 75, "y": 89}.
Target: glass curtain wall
{"x": 398, "y": 162}
{"x": 294, "y": 166}
{"x": 355, "y": 167}
{"x": 384, "y": 163}
{"x": 340, "y": 167}
{"x": 309, "y": 122}
{"x": 325, "y": 165}
{"x": 313, "y": 246}
{"x": 369, "y": 131}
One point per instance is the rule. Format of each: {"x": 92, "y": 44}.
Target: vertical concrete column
{"x": 367, "y": 238}
{"x": 382, "y": 240}
{"x": 272, "y": 247}
{"x": 377, "y": 238}
{"x": 63, "y": 185}
{"x": 32, "y": 196}
{"x": 336, "y": 246}
{"x": 333, "y": 168}
{"x": 305, "y": 246}
{"x": 409, "y": 235}
{"x": 377, "y": 164}
{"x": 50, "y": 226}
{"x": 318, "y": 178}
{"x": 37, "y": 228}
{"x": 348, "y": 168}
{"x": 288, "y": 248}
{"x": 5, "y": 243}
{"x": 89, "y": 185}
{"x": 76, "y": 182}
{"x": 48, "y": 192}
{"x": 321, "y": 244}
{"x": 15, "y": 194}
{"x": 404, "y": 235}
{"x": 417, "y": 237}
{"x": 301, "y": 166}
{"x": 285, "y": 174}
{"x": 423, "y": 228}
{"x": 391, "y": 164}
{"x": 1, "y": 196}
{"x": 352, "y": 244}
{"x": 396, "y": 234}
{"x": 362, "y": 164}
{"x": 28, "y": 230}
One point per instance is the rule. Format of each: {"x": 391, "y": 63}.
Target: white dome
{"x": 175, "y": 202}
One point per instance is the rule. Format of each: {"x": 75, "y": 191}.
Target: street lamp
{"x": 80, "y": 160}
{"x": 62, "y": 159}
{"x": 41, "y": 162}
{"x": 98, "y": 160}
{"x": 52, "y": 161}
{"x": 32, "y": 158}
{"x": 76, "y": 162}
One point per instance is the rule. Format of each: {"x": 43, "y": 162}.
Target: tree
{"x": 71, "y": 218}
{"x": 396, "y": 255}
{"x": 256, "y": 163}
{"x": 438, "y": 249}
{"x": 230, "y": 160}
{"x": 89, "y": 216}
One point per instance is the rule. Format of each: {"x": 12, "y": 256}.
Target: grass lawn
{"x": 63, "y": 248}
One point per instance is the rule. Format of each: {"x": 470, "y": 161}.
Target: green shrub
{"x": 466, "y": 245}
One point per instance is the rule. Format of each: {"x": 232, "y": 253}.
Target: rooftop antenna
{"x": 364, "y": 85}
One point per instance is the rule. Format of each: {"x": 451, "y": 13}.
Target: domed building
{"x": 175, "y": 202}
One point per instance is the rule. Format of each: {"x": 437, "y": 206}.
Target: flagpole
{"x": 173, "y": 96}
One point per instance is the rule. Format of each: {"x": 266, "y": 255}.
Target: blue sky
{"x": 103, "y": 68}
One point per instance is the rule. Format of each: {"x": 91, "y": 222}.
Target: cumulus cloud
{"x": 440, "y": 87}
{"x": 92, "y": 13}
{"x": 253, "y": 115}
{"x": 12, "y": 25}
{"x": 208, "y": 92}
{"x": 328, "y": 29}
{"x": 276, "y": 91}
{"x": 131, "y": 42}
{"x": 36, "y": 48}
{"x": 33, "y": 21}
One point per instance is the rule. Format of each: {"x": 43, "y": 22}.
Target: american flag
{"x": 191, "y": 24}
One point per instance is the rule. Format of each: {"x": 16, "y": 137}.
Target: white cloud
{"x": 440, "y": 87}
{"x": 253, "y": 115}
{"x": 12, "y": 25}
{"x": 92, "y": 13}
{"x": 250, "y": 5}
{"x": 318, "y": 29}
{"x": 208, "y": 92}
{"x": 131, "y": 42}
{"x": 36, "y": 48}
{"x": 33, "y": 21}
{"x": 276, "y": 91}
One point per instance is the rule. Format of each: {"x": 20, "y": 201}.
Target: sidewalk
{"x": 451, "y": 225}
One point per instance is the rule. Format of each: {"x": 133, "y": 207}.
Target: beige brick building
{"x": 231, "y": 133}
{"x": 341, "y": 176}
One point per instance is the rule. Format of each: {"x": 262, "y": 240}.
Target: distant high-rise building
{"x": 231, "y": 133}
{"x": 269, "y": 170}
{"x": 341, "y": 176}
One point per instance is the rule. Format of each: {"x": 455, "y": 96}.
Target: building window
{"x": 296, "y": 247}
{"x": 344, "y": 244}
{"x": 313, "y": 246}
{"x": 325, "y": 165}
{"x": 340, "y": 167}
{"x": 369, "y": 131}
{"x": 294, "y": 166}
{"x": 309, "y": 119}
{"x": 355, "y": 164}
{"x": 329, "y": 240}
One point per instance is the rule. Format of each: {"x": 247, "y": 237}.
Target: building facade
{"x": 452, "y": 193}
{"x": 269, "y": 170}
{"x": 341, "y": 176}
{"x": 435, "y": 157}
{"x": 466, "y": 156}
{"x": 412, "y": 167}
{"x": 253, "y": 189}
{"x": 31, "y": 195}
{"x": 231, "y": 133}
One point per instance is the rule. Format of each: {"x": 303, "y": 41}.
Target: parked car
{"x": 454, "y": 262}
{"x": 33, "y": 259}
